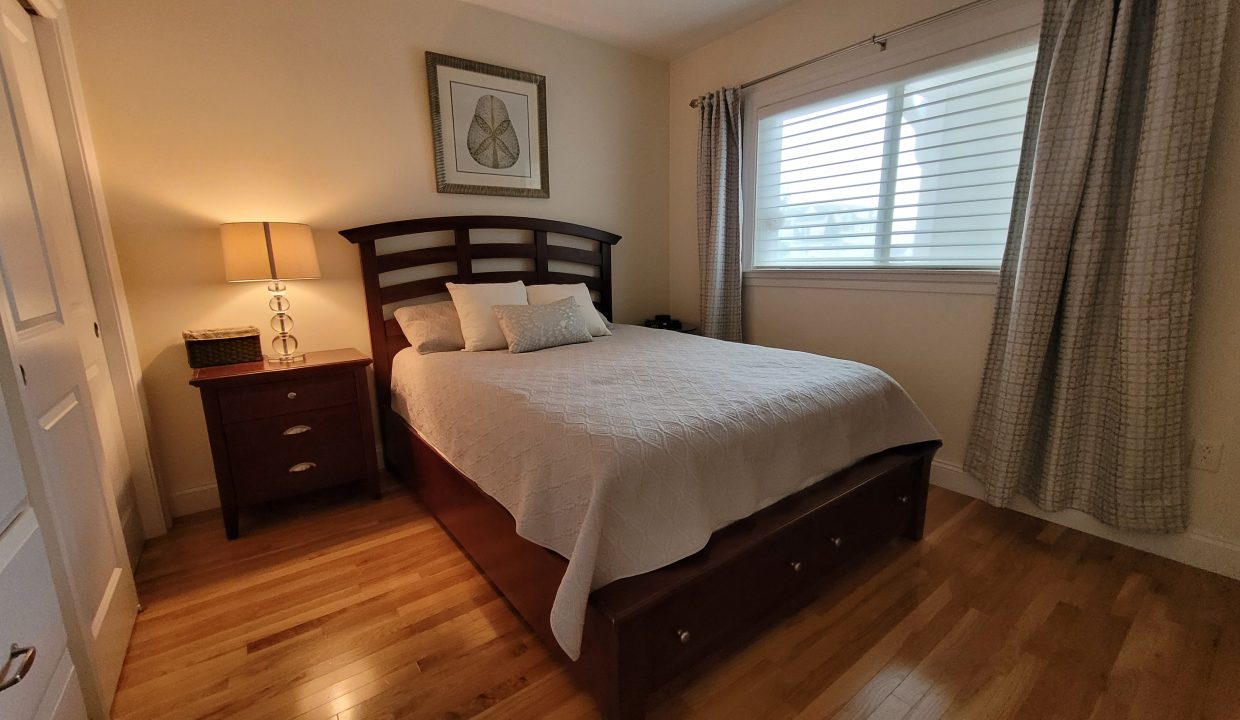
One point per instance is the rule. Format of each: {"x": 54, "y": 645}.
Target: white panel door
{"x": 52, "y": 190}
{"x": 30, "y": 620}
{"x": 12, "y": 486}
{"x": 43, "y": 318}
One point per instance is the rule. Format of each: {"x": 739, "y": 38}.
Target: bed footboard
{"x": 642, "y": 631}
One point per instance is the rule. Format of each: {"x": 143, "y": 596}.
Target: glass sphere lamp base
{"x": 284, "y": 344}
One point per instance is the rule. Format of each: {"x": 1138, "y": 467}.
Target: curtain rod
{"x": 879, "y": 39}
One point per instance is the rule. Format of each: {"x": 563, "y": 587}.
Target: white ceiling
{"x": 664, "y": 29}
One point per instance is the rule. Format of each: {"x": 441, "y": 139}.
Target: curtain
{"x": 719, "y": 213}
{"x": 1083, "y": 392}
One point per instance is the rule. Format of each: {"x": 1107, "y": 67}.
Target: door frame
{"x": 64, "y": 87}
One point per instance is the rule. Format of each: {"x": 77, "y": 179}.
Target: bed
{"x": 631, "y": 623}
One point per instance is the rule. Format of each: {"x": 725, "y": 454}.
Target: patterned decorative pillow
{"x": 431, "y": 327}
{"x": 536, "y": 327}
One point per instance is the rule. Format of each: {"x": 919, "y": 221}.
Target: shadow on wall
{"x": 183, "y": 457}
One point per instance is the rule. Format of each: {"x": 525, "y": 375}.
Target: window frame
{"x": 991, "y": 29}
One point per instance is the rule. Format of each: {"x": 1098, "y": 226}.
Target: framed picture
{"x": 490, "y": 128}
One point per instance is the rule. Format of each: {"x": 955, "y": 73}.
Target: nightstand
{"x": 282, "y": 429}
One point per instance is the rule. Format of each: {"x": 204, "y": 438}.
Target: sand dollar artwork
{"x": 491, "y": 140}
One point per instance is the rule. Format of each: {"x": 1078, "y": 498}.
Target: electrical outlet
{"x": 1207, "y": 455}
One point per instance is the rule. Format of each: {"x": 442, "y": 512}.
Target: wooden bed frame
{"x": 640, "y": 631}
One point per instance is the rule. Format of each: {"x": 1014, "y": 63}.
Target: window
{"x": 917, "y": 172}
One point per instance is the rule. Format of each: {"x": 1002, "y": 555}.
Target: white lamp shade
{"x": 268, "y": 251}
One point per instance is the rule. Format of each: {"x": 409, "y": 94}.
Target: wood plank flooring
{"x": 340, "y": 608}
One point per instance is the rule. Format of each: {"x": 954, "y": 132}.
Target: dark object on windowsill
{"x": 667, "y": 322}
{"x": 663, "y": 322}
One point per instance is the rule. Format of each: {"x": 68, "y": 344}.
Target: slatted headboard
{"x": 396, "y": 273}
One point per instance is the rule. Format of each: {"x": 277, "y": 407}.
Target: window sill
{"x": 918, "y": 280}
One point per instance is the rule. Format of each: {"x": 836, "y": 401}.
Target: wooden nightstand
{"x": 283, "y": 429}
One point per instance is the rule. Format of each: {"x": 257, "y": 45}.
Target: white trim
{"x": 194, "y": 500}
{"x": 920, "y": 280}
{"x": 55, "y": 44}
{"x": 1198, "y": 548}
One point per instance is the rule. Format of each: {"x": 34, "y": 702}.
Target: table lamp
{"x": 275, "y": 252}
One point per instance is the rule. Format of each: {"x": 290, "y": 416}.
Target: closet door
{"x": 75, "y": 293}
{"x": 39, "y": 314}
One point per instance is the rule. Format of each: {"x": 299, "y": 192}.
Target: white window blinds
{"x": 915, "y": 173}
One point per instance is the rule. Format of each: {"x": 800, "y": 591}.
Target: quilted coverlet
{"x": 624, "y": 454}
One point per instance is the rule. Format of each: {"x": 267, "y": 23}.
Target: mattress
{"x": 625, "y": 454}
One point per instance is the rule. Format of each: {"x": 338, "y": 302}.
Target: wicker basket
{"x": 222, "y": 346}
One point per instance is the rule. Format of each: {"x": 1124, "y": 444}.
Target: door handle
{"x": 27, "y": 661}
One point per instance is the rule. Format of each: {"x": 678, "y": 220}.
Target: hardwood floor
{"x": 358, "y": 609}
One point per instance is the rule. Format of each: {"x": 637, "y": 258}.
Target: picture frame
{"x": 489, "y": 125}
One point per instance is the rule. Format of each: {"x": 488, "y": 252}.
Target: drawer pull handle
{"x": 302, "y": 467}
{"x": 683, "y": 636}
{"x": 27, "y": 654}
{"x": 837, "y": 541}
{"x": 903, "y": 499}
{"x": 292, "y": 396}
{"x": 795, "y": 565}
{"x": 297, "y": 430}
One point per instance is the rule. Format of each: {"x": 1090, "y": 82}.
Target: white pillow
{"x": 473, "y": 304}
{"x": 544, "y": 294}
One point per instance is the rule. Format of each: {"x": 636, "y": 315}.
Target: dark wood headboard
{"x": 386, "y": 338}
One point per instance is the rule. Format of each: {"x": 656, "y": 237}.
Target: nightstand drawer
{"x": 289, "y": 437}
{"x": 333, "y": 459}
{"x": 286, "y": 396}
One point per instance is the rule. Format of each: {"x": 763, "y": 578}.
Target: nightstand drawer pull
{"x": 297, "y": 430}
{"x": 292, "y": 396}
{"x": 302, "y": 467}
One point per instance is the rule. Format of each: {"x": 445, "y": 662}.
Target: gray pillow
{"x": 535, "y": 327}
{"x": 431, "y": 328}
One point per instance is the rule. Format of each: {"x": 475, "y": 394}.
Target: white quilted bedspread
{"x": 624, "y": 454}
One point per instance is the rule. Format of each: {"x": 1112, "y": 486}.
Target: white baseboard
{"x": 1197, "y": 548}
{"x": 193, "y": 500}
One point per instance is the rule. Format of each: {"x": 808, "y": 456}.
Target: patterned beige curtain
{"x": 1082, "y": 398}
{"x": 719, "y": 213}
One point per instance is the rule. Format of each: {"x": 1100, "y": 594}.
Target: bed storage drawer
{"x": 793, "y": 562}
{"x": 689, "y": 624}
{"x": 871, "y": 514}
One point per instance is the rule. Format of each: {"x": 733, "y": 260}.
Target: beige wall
{"x": 935, "y": 343}
{"x": 317, "y": 112}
